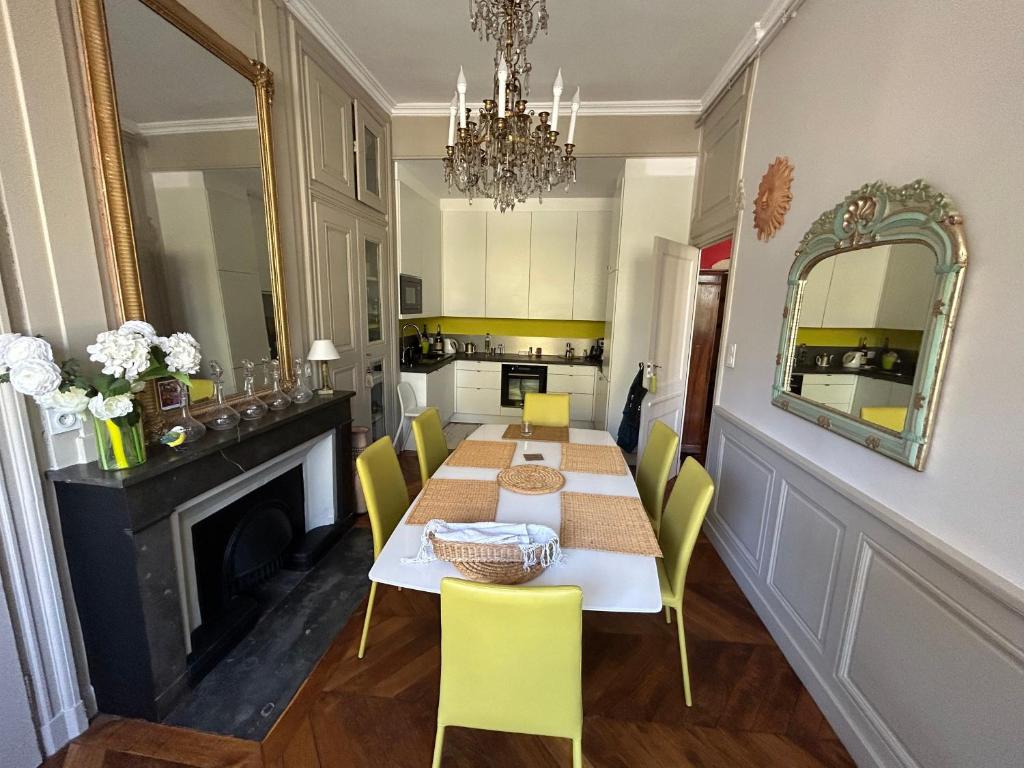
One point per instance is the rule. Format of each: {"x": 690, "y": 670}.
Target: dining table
{"x": 611, "y": 581}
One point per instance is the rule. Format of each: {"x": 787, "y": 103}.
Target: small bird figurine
{"x": 174, "y": 438}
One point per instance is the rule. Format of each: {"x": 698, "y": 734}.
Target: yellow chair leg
{"x": 366, "y": 621}
{"x": 438, "y": 746}
{"x": 682, "y": 657}
{"x": 577, "y": 752}
{"x": 668, "y": 615}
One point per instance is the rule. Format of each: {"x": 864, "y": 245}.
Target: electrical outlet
{"x": 59, "y": 423}
{"x": 730, "y": 356}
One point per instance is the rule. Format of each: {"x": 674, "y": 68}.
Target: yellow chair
{"x": 885, "y": 416}
{"x": 547, "y": 410}
{"x": 431, "y": 445}
{"x": 200, "y": 389}
{"x": 511, "y": 660}
{"x": 652, "y": 472}
{"x": 689, "y": 502}
{"x": 387, "y": 498}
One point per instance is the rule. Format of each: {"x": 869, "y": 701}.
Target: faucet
{"x": 419, "y": 336}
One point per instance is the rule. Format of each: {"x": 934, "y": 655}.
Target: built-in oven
{"x": 517, "y": 380}
{"x": 410, "y": 295}
{"x": 796, "y": 383}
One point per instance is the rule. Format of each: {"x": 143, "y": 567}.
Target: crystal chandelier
{"x": 503, "y": 155}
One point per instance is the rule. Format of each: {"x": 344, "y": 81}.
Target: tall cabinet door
{"x": 552, "y": 264}
{"x": 329, "y": 116}
{"x": 371, "y": 159}
{"x": 594, "y": 244}
{"x": 464, "y": 256}
{"x": 375, "y": 275}
{"x": 508, "y": 265}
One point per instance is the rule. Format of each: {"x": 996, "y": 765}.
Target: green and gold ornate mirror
{"x": 872, "y": 300}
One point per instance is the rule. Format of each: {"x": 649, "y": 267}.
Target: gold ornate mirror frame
{"x": 114, "y": 208}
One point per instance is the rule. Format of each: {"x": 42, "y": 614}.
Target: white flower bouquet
{"x": 129, "y": 356}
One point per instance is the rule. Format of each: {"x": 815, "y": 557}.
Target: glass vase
{"x": 120, "y": 442}
{"x": 222, "y": 416}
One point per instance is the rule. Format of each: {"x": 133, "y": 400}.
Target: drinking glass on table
{"x": 526, "y": 428}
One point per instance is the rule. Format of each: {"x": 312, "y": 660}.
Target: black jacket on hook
{"x": 629, "y": 427}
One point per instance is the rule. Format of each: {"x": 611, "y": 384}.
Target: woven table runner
{"x": 484, "y": 454}
{"x": 531, "y": 479}
{"x": 543, "y": 434}
{"x": 456, "y": 501}
{"x": 611, "y": 523}
{"x": 595, "y": 459}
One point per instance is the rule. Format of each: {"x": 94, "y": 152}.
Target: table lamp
{"x": 322, "y": 351}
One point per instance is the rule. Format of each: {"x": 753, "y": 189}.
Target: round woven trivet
{"x": 531, "y": 479}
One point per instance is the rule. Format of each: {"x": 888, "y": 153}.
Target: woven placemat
{"x": 531, "y": 479}
{"x": 612, "y": 523}
{"x": 456, "y": 501}
{"x": 595, "y": 459}
{"x": 484, "y": 454}
{"x": 543, "y": 434}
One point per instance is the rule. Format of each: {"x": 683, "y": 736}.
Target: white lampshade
{"x": 323, "y": 349}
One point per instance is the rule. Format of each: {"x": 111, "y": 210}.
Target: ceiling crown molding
{"x": 328, "y": 37}
{"x": 201, "y": 125}
{"x": 619, "y": 108}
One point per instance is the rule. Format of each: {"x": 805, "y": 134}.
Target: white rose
{"x": 34, "y": 377}
{"x": 123, "y": 354}
{"x": 142, "y": 328}
{"x": 111, "y": 407}
{"x": 181, "y": 353}
{"x": 74, "y": 401}
{"x": 27, "y": 348}
{"x": 6, "y": 339}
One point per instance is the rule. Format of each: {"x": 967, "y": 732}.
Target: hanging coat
{"x": 629, "y": 427}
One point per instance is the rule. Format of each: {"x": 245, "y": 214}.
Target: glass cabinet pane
{"x": 370, "y": 168}
{"x": 371, "y": 249}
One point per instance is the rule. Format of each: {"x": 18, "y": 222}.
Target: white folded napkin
{"x": 538, "y": 543}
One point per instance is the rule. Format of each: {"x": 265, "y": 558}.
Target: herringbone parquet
{"x": 750, "y": 710}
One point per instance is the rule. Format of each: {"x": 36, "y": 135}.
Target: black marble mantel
{"x": 117, "y": 535}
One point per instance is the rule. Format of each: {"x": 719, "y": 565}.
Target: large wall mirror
{"x": 872, "y": 300}
{"x": 182, "y": 121}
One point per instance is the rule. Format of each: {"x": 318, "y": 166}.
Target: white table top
{"x": 611, "y": 581}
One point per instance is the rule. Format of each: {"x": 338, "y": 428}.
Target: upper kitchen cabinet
{"x": 855, "y": 288}
{"x": 553, "y": 256}
{"x": 507, "y": 292}
{"x": 371, "y": 160}
{"x": 815, "y": 294}
{"x": 906, "y": 299}
{"x": 419, "y": 244}
{"x": 716, "y": 194}
{"x": 595, "y": 243}
{"x": 464, "y": 235}
{"x": 329, "y": 121}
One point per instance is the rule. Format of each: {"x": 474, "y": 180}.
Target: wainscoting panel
{"x": 914, "y": 653}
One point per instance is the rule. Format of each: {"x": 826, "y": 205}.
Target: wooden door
{"x": 707, "y": 334}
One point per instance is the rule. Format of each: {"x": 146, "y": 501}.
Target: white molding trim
{"x": 609, "y": 108}
{"x": 328, "y": 37}
{"x": 199, "y": 125}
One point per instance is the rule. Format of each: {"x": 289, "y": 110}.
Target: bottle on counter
{"x": 487, "y": 343}
{"x": 425, "y": 341}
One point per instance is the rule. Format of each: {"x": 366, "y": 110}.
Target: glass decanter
{"x": 222, "y": 415}
{"x": 251, "y": 408}
{"x": 278, "y": 399}
{"x": 301, "y": 392}
{"x": 194, "y": 429}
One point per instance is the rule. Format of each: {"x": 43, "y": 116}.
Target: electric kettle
{"x": 853, "y": 359}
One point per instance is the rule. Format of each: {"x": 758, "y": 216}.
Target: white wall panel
{"x": 743, "y": 479}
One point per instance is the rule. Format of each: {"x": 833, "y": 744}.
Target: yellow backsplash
{"x": 850, "y": 337}
{"x": 511, "y": 326}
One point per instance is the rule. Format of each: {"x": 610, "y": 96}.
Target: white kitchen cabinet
{"x": 581, "y": 407}
{"x": 478, "y": 379}
{"x": 870, "y": 393}
{"x": 553, "y": 253}
{"x": 815, "y": 294}
{"x": 486, "y": 402}
{"x": 834, "y": 390}
{"x": 420, "y": 246}
{"x": 856, "y": 288}
{"x": 900, "y": 395}
{"x": 441, "y": 392}
{"x": 582, "y": 385}
{"x": 465, "y": 256}
{"x": 909, "y": 284}
{"x": 594, "y": 246}
{"x": 507, "y": 291}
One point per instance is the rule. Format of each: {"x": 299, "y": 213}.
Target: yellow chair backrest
{"x": 200, "y": 389}
{"x": 387, "y": 496}
{"x": 511, "y": 658}
{"x": 431, "y": 445}
{"x": 652, "y": 472}
{"x": 547, "y": 410}
{"x": 886, "y": 416}
{"x": 687, "y": 506}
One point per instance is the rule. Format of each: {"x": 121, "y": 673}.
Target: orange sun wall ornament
{"x": 773, "y": 198}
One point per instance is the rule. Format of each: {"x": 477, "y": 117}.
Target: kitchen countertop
{"x": 869, "y": 372}
{"x": 431, "y": 365}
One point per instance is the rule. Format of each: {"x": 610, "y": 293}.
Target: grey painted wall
{"x": 18, "y": 745}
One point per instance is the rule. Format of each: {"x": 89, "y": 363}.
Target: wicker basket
{"x": 489, "y": 563}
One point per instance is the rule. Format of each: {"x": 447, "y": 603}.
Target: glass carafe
{"x": 222, "y": 415}
{"x": 301, "y": 392}
{"x": 278, "y": 399}
{"x": 193, "y": 428}
{"x": 251, "y": 408}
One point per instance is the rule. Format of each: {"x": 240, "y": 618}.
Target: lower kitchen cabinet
{"x": 470, "y": 400}
{"x": 581, "y": 407}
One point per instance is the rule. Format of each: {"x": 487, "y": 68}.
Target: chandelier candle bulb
{"x": 502, "y": 79}
{"x": 572, "y": 117}
{"x": 557, "y": 93}
{"x": 451, "y": 120}
{"x": 461, "y": 86}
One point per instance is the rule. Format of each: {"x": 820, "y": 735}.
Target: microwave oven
{"x": 410, "y": 291}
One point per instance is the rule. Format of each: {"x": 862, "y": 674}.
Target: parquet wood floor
{"x": 750, "y": 710}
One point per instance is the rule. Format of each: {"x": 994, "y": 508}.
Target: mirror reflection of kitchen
{"x": 195, "y": 186}
{"x": 862, "y": 315}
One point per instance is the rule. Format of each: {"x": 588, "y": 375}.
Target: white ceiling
{"x": 656, "y": 50}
